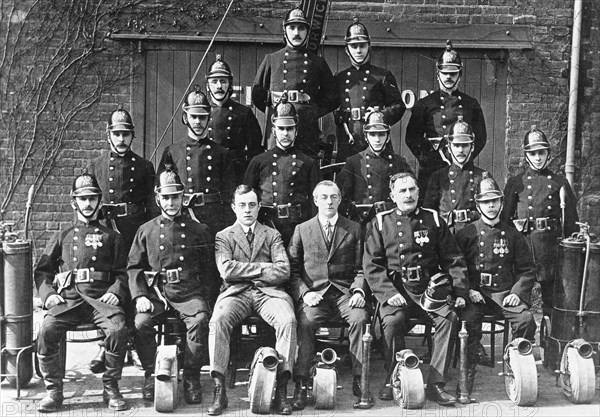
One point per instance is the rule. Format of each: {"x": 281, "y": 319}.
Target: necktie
{"x": 328, "y": 232}
{"x": 250, "y": 236}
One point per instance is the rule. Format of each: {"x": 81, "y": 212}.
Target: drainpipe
{"x": 574, "y": 86}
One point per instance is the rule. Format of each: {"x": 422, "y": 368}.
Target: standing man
{"x": 451, "y": 190}
{"x": 231, "y": 124}
{"x": 254, "y": 266}
{"x": 81, "y": 279}
{"x": 304, "y": 76}
{"x": 432, "y": 115}
{"x": 204, "y": 166}
{"x": 501, "y": 271}
{"x": 327, "y": 283}
{"x": 542, "y": 206}
{"x": 171, "y": 268}
{"x": 364, "y": 180}
{"x": 413, "y": 263}
{"x": 127, "y": 180}
{"x": 361, "y": 87}
{"x": 284, "y": 175}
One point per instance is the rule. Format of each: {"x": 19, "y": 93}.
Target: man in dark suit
{"x": 171, "y": 267}
{"x": 81, "y": 279}
{"x": 254, "y": 266}
{"x": 327, "y": 283}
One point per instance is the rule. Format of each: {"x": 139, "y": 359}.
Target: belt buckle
{"x": 435, "y": 142}
{"x": 121, "y": 209}
{"x": 83, "y": 275}
{"x": 461, "y": 216}
{"x": 379, "y": 206}
{"x": 541, "y": 223}
{"x": 413, "y": 273}
{"x": 283, "y": 211}
{"x": 486, "y": 279}
{"x": 355, "y": 113}
{"x": 173, "y": 276}
{"x": 293, "y": 96}
{"x": 198, "y": 199}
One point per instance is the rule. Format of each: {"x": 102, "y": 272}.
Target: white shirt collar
{"x": 246, "y": 228}
{"x": 323, "y": 220}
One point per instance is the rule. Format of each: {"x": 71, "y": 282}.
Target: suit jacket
{"x": 265, "y": 266}
{"x": 314, "y": 266}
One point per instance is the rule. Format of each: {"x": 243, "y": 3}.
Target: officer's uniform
{"x": 127, "y": 182}
{"x": 532, "y": 203}
{"x": 431, "y": 117}
{"x": 179, "y": 257}
{"x": 82, "y": 263}
{"x": 308, "y": 81}
{"x": 402, "y": 254}
{"x": 451, "y": 192}
{"x": 499, "y": 263}
{"x": 285, "y": 179}
{"x": 235, "y": 127}
{"x": 358, "y": 89}
{"x": 206, "y": 170}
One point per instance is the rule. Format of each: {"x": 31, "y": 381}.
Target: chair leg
{"x": 493, "y": 341}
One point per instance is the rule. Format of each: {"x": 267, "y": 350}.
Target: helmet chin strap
{"x": 454, "y": 157}
{"x": 114, "y": 149}
{"x": 545, "y": 164}
{"x": 491, "y": 219}
{"x": 163, "y": 211}
{"x": 78, "y": 210}
{"x": 187, "y": 123}
{"x": 382, "y": 147}
{"x": 354, "y": 61}
{"x": 220, "y": 101}
{"x": 454, "y": 86}
{"x": 289, "y": 42}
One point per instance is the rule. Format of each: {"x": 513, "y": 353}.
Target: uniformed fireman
{"x": 542, "y": 206}
{"x": 204, "y": 166}
{"x": 127, "y": 181}
{"x": 231, "y": 124}
{"x": 364, "y": 179}
{"x": 414, "y": 267}
{"x": 432, "y": 116}
{"x": 81, "y": 278}
{"x": 284, "y": 175}
{"x": 501, "y": 270}
{"x": 304, "y": 76}
{"x": 172, "y": 269}
{"x": 451, "y": 190}
{"x": 361, "y": 87}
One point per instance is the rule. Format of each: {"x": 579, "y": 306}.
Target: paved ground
{"x": 83, "y": 395}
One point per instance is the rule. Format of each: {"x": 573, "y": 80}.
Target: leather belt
{"x": 545, "y": 223}
{"x": 486, "y": 279}
{"x": 412, "y": 273}
{"x": 83, "y": 275}
{"x": 356, "y": 114}
{"x": 112, "y": 210}
{"x": 463, "y": 216}
{"x": 170, "y": 276}
{"x": 435, "y": 142}
{"x": 294, "y": 96}
{"x": 201, "y": 199}
{"x": 285, "y": 211}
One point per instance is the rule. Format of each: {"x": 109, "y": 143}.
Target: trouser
{"x": 395, "y": 329}
{"x": 195, "y": 347}
{"x": 333, "y": 307}
{"x": 231, "y": 311}
{"x": 53, "y": 331}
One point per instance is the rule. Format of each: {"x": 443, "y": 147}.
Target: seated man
{"x": 327, "y": 283}
{"x": 171, "y": 267}
{"x": 413, "y": 263}
{"x": 81, "y": 279}
{"x": 501, "y": 269}
{"x": 254, "y": 266}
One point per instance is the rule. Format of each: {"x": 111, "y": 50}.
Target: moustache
{"x": 297, "y": 38}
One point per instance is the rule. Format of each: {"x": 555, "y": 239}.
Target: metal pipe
{"x": 573, "y": 87}
{"x": 463, "y": 398}
{"x": 366, "y": 401}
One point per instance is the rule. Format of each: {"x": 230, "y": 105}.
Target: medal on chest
{"x": 421, "y": 236}
{"x": 94, "y": 240}
{"x": 500, "y": 247}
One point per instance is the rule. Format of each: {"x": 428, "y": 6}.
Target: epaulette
{"x": 436, "y": 216}
{"x": 379, "y": 217}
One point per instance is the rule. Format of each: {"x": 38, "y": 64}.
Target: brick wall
{"x": 537, "y": 91}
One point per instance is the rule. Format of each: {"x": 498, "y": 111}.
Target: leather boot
{"x": 280, "y": 402}
{"x": 356, "y": 383}
{"x": 112, "y": 396}
{"x": 148, "y": 388}
{"x": 97, "y": 365}
{"x": 436, "y": 392}
{"x": 300, "y": 394}
{"x": 220, "y": 401}
{"x": 51, "y": 370}
{"x": 482, "y": 356}
{"x": 192, "y": 390}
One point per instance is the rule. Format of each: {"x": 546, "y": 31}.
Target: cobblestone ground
{"x": 83, "y": 393}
